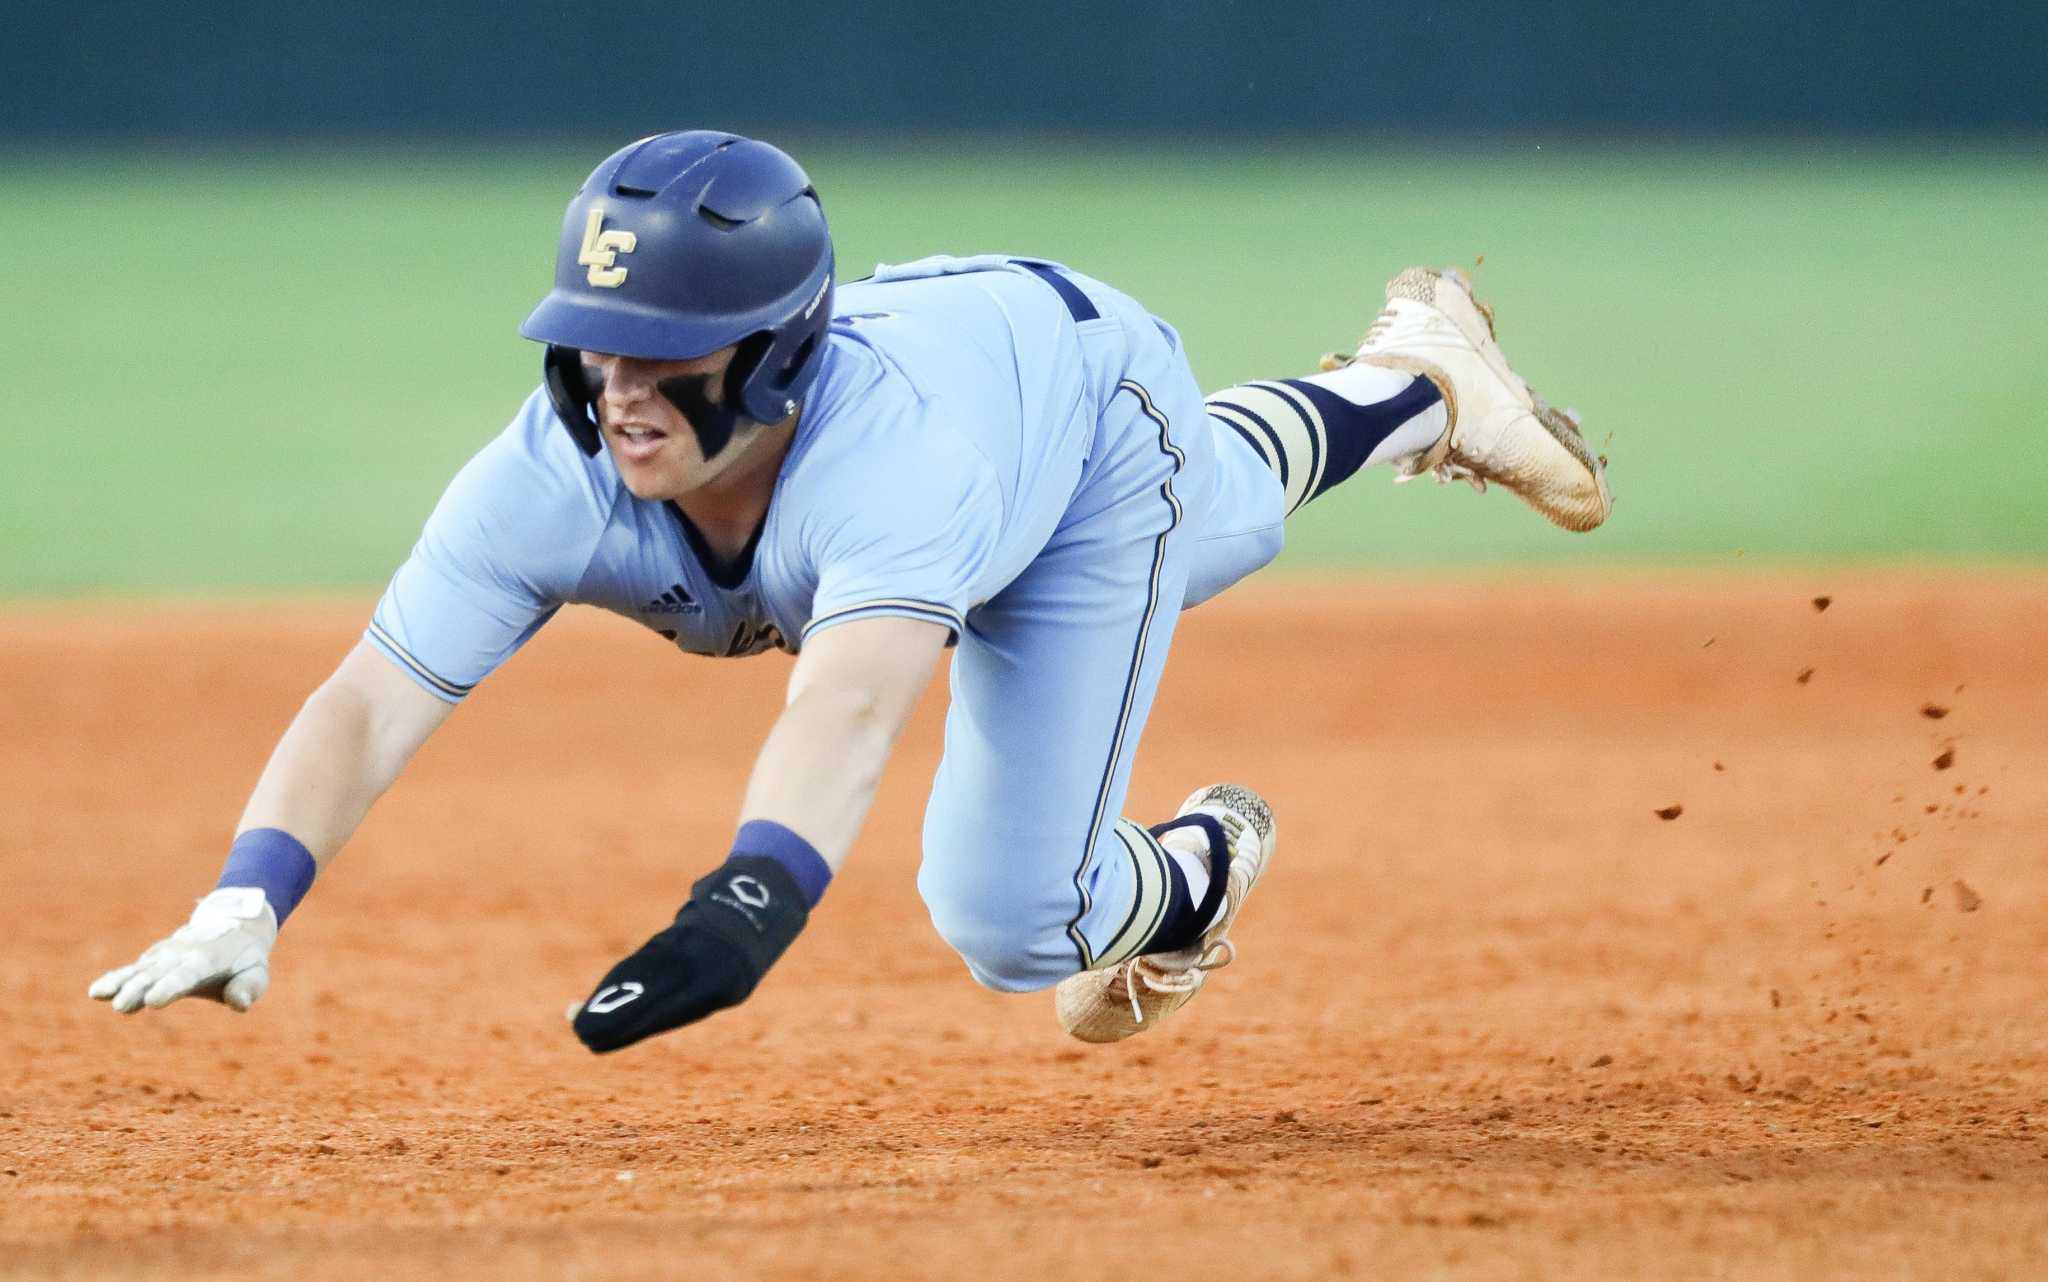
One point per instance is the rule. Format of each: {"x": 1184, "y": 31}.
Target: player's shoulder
{"x": 871, "y": 418}
{"x": 861, "y": 491}
{"x": 529, "y": 506}
{"x": 534, "y": 470}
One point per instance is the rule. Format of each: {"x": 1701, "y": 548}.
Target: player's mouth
{"x": 637, "y": 442}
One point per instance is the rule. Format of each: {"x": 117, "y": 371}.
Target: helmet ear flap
{"x": 769, "y": 380}
{"x": 573, "y": 387}
{"x": 747, "y": 356}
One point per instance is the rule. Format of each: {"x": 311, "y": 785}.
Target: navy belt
{"x": 1078, "y": 304}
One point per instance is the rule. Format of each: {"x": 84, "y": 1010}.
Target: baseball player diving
{"x": 995, "y": 454}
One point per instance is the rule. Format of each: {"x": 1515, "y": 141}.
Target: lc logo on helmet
{"x": 601, "y": 249}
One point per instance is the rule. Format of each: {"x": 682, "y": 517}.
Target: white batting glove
{"x": 222, "y": 953}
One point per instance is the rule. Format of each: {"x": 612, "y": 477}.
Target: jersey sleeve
{"x": 915, "y": 544}
{"x": 504, "y": 549}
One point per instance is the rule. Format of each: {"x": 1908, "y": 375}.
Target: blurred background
{"x": 265, "y": 264}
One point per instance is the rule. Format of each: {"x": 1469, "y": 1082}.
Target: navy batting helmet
{"x": 679, "y": 245}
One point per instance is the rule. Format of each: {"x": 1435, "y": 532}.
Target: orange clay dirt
{"x": 1493, "y": 1016}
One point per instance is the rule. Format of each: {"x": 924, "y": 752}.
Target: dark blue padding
{"x": 1078, "y": 304}
{"x": 274, "y": 861}
{"x": 770, "y": 840}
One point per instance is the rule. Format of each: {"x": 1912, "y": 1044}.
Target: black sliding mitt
{"x": 737, "y": 922}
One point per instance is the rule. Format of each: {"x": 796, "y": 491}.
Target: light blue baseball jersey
{"x": 1018, "y": 453}
{"x": 947, "y": 434}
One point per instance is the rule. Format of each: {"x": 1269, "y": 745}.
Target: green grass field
{"x": 251, "y": 370}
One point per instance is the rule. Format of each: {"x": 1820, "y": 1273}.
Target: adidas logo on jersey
{"x": 677, "y": 600}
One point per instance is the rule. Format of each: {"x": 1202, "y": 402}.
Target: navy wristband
{"x": 770, "y": 840}
{"x": 273, "y": 861}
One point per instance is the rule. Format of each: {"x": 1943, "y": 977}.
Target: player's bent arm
{"x": 853, "y": 690}
{"x": 347, "y": 745}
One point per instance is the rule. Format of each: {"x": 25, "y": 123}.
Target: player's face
{"x": 659, "y": 455}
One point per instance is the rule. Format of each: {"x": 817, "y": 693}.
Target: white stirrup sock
{"x": 1193, "y": 865}
{"x": 1363, "y": 384}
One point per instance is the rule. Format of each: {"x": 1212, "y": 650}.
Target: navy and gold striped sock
{"x": 1316, "y": 432}
{"x": 1169, "y": 908}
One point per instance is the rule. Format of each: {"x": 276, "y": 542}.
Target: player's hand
{"x": 222, "y": 953}
{"x": 737, "y": 922}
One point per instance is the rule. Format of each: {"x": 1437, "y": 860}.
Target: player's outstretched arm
{"x": 346, "y": 746}
{"x": 852, "y": 691}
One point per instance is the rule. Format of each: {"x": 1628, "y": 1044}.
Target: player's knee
{"x": 1006, "y": 948}
{"x": 1223, "y": 561}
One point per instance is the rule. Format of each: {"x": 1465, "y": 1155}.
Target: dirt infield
{"x": 1494, "y": 1016}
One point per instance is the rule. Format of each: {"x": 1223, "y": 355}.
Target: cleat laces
{"x": 1214, "y": 957}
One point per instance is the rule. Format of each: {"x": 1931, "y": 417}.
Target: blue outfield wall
{"x": 144, "y": 68}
